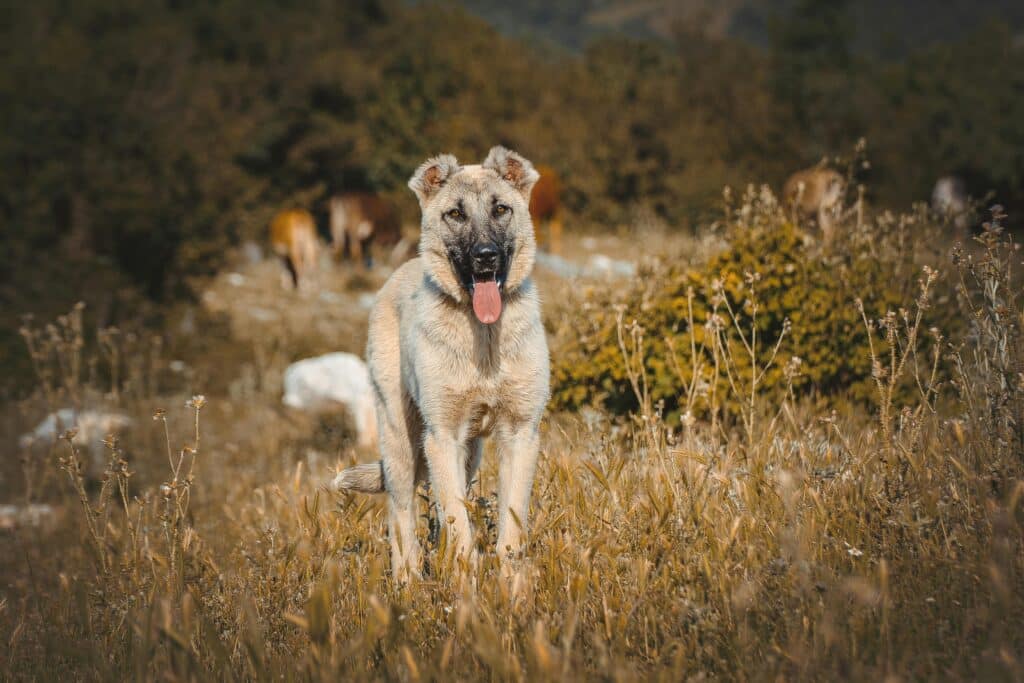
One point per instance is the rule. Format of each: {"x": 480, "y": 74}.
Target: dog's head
{"x": 477, "y": 240}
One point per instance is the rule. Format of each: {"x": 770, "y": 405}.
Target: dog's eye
{"x": 456, "y": 214}
{"x": 501, "y": 210}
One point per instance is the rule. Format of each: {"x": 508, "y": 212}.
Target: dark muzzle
{"x": 486, "y": 260}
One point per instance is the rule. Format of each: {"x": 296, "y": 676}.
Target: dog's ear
{"x": 431, "y": 177}
{"x": 513, "y": 168}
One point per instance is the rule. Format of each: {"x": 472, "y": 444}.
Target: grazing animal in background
{"x": 293, "y": 237}
{"x": 816, "y": 192}
{"x": 949, "y": 199}
{"x": 457, "y": 352}
{"x": 360, "y": 220}
{"x": 546, "y": 209}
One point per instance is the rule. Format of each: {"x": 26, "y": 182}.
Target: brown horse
{"x": 816, "y": 192}
{"x": 293, "y": 237}
{"x": 546, "y": 209}
{"x": 360, "y": 220}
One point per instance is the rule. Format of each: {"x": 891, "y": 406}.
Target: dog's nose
{"x": 485, "y": 258}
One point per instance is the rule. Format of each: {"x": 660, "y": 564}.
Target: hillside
{"x": 883, "y": 29}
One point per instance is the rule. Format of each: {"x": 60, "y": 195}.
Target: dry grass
{"x": 797, "y": 541}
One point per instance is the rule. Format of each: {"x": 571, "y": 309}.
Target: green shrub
{"x": 773, "y": 297}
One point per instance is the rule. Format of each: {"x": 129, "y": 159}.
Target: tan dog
{"x": 359, "y": 220}
{"x": 293, "y": 237}
{"x": 818, "y": 192}
{"x": 457, "y": 352}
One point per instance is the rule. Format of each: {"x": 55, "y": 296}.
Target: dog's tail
{"x": 368, "y": 478}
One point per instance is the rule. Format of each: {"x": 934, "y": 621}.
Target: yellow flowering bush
{"x": 774, "y": 312}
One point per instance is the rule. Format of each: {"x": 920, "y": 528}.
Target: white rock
{"x": 329, "y": 297}
{"x": 263, "y": 314}
{"x": 93, "y": 426}
{"x": 314, "y": 384}
{"x": 187, "y": 324}
{"x": 949, "y": 195}
{"x": 949, "y": 198}
{"x": 33, "y": 514}
{"x": 366, "y": 300}
{"x": 236, "y": 279}
{"x": 558, "y": 265}
{"x": 251, "y": 253}
{"x": 599, "y": 264}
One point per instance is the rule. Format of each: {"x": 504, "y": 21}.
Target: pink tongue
{"x": 487, "y": 301}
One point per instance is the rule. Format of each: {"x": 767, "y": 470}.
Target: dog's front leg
{"x": 446, "y": 458}
{"x": 399, "y": 474}
{"x": 518, "y": 450}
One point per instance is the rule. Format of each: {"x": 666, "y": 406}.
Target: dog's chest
{"x": 475, "y": 408}
{"x": 470, "y": 378}
{"x": 476, "y": 405}
{"x": 482, "y": 418}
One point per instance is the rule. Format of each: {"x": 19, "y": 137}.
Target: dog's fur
{"x": 360, "y": 220}
{"x": 546, "y": 209}
{"x": 443, "y": 379}
{"x": 293, "y": 237}
{"x": 818, "y": 192}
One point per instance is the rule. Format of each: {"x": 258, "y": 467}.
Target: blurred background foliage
{"x": 767, "y": 290}
{"x": 140, "y": 140}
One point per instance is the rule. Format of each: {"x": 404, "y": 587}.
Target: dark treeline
{"x": 150, "y": 136}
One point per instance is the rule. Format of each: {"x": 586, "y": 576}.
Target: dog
{"x": 457, "y": 352}
{"x": 818, "y": 192}
{"x": 359, "y": 220}
{"x": 293, "y": 238}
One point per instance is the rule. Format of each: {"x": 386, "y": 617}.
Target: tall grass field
{"x": 765, "y": 459}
